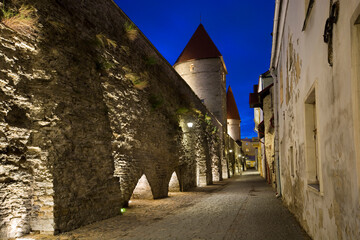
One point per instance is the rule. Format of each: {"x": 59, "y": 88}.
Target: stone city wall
{"x": 88, "y": 106}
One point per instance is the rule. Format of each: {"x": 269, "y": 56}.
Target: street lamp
{"x": 190, "y": 124}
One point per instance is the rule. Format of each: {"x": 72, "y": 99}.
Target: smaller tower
{"x": 233, "y": 117}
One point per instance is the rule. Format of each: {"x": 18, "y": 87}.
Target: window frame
{"x": 312, "y": 150}
{"x": 355, "y": 82}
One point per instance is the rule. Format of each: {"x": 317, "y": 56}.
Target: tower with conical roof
{"x": 233, "y": 117}
{"x": 202, "y": 66}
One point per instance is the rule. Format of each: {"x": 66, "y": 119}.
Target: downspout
{"x": 275, "y": 33}
{"x": 276, "y": 139}
{"x": 274, "y": 53}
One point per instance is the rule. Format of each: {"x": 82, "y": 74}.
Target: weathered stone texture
{"x": 26, "y": 183}
{"x": 269, "y": 136}
{"x": 232, "y": 155}
{"x": 87, "y": 107}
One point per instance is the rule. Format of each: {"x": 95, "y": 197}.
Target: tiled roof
{"x": 200, "y": 46}
{"x": 232, "y": 111}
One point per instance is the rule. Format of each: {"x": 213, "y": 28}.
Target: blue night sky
{"x": 240, "y": 29}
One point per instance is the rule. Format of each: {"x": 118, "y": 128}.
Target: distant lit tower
{"x": 202, "y": 66}
{"x": 233, "y": 117}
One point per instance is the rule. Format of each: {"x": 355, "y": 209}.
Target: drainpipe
{"x": 276, "y": 139}
{"x": 275, "y": 33}
{"x": 274, "y": 53}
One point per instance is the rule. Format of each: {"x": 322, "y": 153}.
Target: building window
{"x": 308, "y": 7}
{"x": 247, "y": 143}
{"x": 247, "y": 150}
{"x": 281, "y": 86}
{"x": 311, "y": 142}
{"x": 291, "y": 160}
{"x": 192, "y": 68}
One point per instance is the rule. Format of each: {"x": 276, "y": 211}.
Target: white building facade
{"x": 315, "y": 63}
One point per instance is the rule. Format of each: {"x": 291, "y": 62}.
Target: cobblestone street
{"x": 243, "y": 207}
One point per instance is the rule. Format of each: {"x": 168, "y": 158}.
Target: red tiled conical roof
{"x": 200, "y": 46}
{"x": 232, "y": 111}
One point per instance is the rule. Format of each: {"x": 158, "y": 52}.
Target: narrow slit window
{"x": 311, "y": 140}
{"x": 192, "y": 68}
{"x": 291, "y": 159}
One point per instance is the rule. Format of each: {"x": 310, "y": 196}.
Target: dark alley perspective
{"x": 198, "y": 120}
{"x": 243, "y": 207}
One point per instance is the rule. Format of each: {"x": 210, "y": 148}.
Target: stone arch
{"x": 159, "y": 177}
{"x": 174, "y": 183}
{"x": 142, "y": 189}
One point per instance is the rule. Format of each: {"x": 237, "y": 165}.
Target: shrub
{"x": 182, "y": 110}
{"x": 23, "y": 21}
{"x": 104, "y": 41}
{"x": 104, "y": 65}
{"x": 139, "y": 82}
{"x": 131, "y": 31}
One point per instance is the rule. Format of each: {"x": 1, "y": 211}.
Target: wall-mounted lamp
{"x": 239, "y": 155}
{"x": 190, "y": 124}
{"x": 231, "y": 150}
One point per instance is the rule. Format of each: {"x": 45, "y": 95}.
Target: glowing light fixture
{"x": 190, "y": 124}
{"x": 231, "y": 150}
{"x": 123, "y": 210}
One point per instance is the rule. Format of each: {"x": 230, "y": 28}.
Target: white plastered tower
{"x": 202, "y": 66}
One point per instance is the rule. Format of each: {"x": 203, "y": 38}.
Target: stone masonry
{"x": 88, "y": 106}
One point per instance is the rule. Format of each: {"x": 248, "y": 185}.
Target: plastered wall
{"x": 332, "y": 211}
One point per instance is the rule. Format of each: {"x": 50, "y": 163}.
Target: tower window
{"x": 192, "y": 68}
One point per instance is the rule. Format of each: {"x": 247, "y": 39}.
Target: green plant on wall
{"x": 198, "y": 112}
{"x": 207, "y": 119}
{"x": 215, "y": 130}
{"x": 151, "y": 61}
{"x": 131, "y": 31}
{"x": 156, "y": 101}
{"x": 139, "y": 81}
{"x": 23, "y": 21}
{"x": 104, "y": 65}
{"x": 182, "y": 110}
{"x": 105, "y": 42}
{"x": 6, "y": 13}
{"x": 126, "y": 50}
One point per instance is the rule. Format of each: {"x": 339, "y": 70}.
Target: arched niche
{"x": 174, "y": 184}
{"x": 142, "y": 189}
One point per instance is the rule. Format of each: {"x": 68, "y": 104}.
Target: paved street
{"x": 239, "y": 208}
